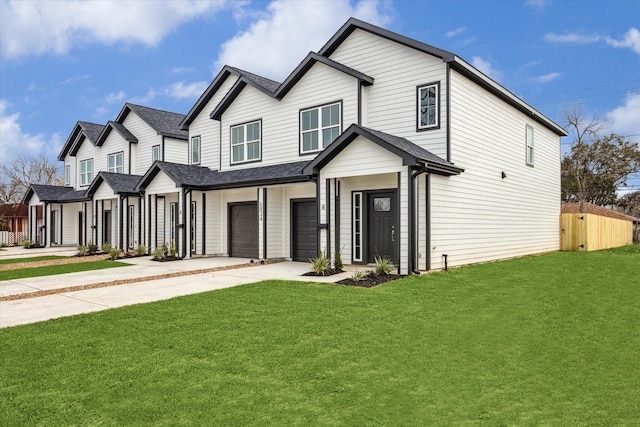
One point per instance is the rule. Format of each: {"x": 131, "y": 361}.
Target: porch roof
{"x": 55, "y": 193}
{"x": 410, "y": 153}
{"x": 120, "y": 183}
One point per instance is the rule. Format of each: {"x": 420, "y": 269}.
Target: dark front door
{"x": 305, "y": 231}
{"x": 80, "y": 229}
{"x": 244, "y": 230}
{"x": 106, "y": 236}
{"x": 382, "y": 230}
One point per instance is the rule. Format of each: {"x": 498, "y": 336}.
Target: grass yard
{"x": 31, "y": 259}
{"x": 51, "y": 270}
{"x": 551, "y": 340}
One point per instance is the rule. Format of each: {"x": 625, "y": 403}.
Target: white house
{"x": 102, "y": 166}
{"x": 377, "y": 145}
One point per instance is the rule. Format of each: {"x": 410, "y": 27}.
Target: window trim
{"x": 529, "y": 160}
{"x": 159, "y": 157}
{"x": 199, "y": 150}
{"x": 115, "y": 162}
{"x": 318, "y": 107}
{"x": 357, "y": 243}
{"x": 241, "y": 162}
{"x": 67, "y": 175}
{"x": 419, "y": 126}
{"x": 86, "y": 161}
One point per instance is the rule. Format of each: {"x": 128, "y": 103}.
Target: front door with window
{"x": 382, "y": 226}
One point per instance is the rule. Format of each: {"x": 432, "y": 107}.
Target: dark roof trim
{"x": 207, "y": 95}
{"x": 113, "y": 180}
{"x": 306, "y": 65}
{"x": 258, "y": 182}
{"x": 118, "y": 127}
{"x": 80, "y": 131}
{"x": 54, "y": 193}
{"x": 352, "y": 24}
{"x": 143, "y": 111}
{"x": 457, "y": 64}
{"x": 288, "y": 84}
{"x": 411, "y": 154}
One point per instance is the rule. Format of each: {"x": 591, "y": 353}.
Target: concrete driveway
{"x": 229, "y": 272}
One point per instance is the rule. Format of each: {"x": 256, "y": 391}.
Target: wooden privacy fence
{"x": 590, "y": 232}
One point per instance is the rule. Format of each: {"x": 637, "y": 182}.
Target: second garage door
{"x": 244, "y": 230}
{"x": 305, "y": 232}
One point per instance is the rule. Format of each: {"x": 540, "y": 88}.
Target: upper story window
{"x": 195, "y": 150}
{"x": 86, "y": 172}
{"x": 319, "y": 126}
{"x": 245, "y": 142}
{"x": 529, "y": 145}
{"x": 67, "y": 175}
{"x": 428, "y": 106}
{"x": 155, "y": 153}
{"x": 115, "y": 163}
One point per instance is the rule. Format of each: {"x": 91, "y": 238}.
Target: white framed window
{"x": 86, "y": 172}
{"x": 192, "y": 232}
{"x": 428, "y": 106}
{"x": 357, "y": 226}
{"x": 245, "y": 142}
{"x": 195, "y": 150}
{"x": 131, "y": 226}
{"x": 155, "y": 153}
{"x": 115, "y": 162}
{"x": 319, "y": 127}
{"x": 67, "y": 175}
{"x": 529, "y": 145}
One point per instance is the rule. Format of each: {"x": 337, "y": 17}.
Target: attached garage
{"x": 243, "y": 230}
{"x": 304, "y": 221}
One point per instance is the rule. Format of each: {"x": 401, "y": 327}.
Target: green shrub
{"x": 114, "y": 254}
{"x": 383, "y": 265}
{"x": 358, "y": 276}
{"x": 321, "y": 264}
{"x": 337, "y": 260}
{"x": 82, "y": 250}
{"x": 92, "y": 248}
{"x": 172, "y": 249}
{"x": 106, "y": 247}
{"x": 159, "y": 253}
{"x": 25, "y": 243}
{"x": 141, "y": 250}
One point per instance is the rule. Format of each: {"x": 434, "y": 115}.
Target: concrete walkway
{"x": 36, "y": 309}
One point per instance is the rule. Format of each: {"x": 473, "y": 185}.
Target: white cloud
{"x": 275, "y": 43}
{"x": 14, "y": 141}
{"x": 625, "y": 120}
{"x": 180, "y": 70}
{"x": 455, "y": 32}
{"x": 182, "y": 90}
{"x": 486, "y": 67}
{"x": 37, "y": 27}
{"x": 546, "y": 78}
{"x": 537, "y": 4}
{"x": 631, "y": 39}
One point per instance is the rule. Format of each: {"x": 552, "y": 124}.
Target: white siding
{"x": 392, "y": 99}
{"x": 73, "y": 179}
{"x": 147, "y": 138}
{"x": 160, "y": 184}
{"x": 115, "y": 144}
{"x": 209, "y": 130}
{"x": 214, "y": 227}
{"x": 175, "y": 150}
{"x": 103, "y": 192}
{"x": 362, "y": 157}
{"x": 276, "y": 222}
{"x": 85, "y": 152}
{"x": 479, "y": 216}
{"x": 280, "y": 119}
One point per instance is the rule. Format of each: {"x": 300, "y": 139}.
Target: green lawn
{"x": 50, "y": 270}
{"x": 31, "y": 259}
{"x": 546, "y": 340}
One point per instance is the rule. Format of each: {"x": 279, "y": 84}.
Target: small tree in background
{"x": 16, "y": 175}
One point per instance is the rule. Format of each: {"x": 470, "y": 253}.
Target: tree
{"x": 596, "y": 165}
{"x": 630, "y": 203}
{"x": 16, "y": 176}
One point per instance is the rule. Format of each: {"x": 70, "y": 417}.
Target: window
{"x": 195, "y": 150}
{"x": 86, "y": 172}
{"x": 115, "y": 163}
{"x": 155, "y": 153}
{"x": 193, "y": 227}
{"x": 67, "y": 175}
{"x": 245, "y": 142}
{"x": 529, "y": 145}
{"x": 357, "y": 226}
{"x": 319, "y": 127}
{"x": 428, "y": 99}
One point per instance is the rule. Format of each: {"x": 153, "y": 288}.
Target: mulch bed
{"x": 329, "y": 272}
{"x": 370, "y": 280}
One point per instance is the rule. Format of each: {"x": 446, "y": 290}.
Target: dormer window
{"x": 319, "y": 127}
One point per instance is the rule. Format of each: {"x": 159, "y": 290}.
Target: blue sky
{"x": 64, "y": 61}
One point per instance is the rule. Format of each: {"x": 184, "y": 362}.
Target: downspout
{"x": 413, "y": 220}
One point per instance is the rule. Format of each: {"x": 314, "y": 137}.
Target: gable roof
{"x": 118, "y": 127}
{"x": 454, "y": 61}
{"x": 590, "y": 208}
{"x": 81, "y": 130}
{"x": 165, "y": 123}
{"x": 280, "y": 91}
{"x": 120, "y": 183}
{"x": 201, "y": 178}
{"x": 54, "y": 193}
{"x": 410, "y": 153}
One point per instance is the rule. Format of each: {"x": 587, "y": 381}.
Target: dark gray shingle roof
{"x": 263, "y": 82}
{"x": 120, "y": 183}
{"x": 165, "y": 123}
{"x": 92, "y": 131}
{"x": 54, "y": 193}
